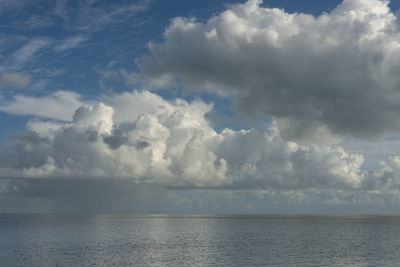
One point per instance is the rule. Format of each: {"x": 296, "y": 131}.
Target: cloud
{"x": 170, "y": 144}
{"x": 38, "y": 21}
{"x": 387, "y": 176}
{"x": 319, "y": 77}
{"x": 125, "y": 196}
{"x": 70, "y": 43}
{"x": 6, "y": 5}
{"x": 28, "y": 50}
{"x": 91, "y": 17}
{"x": 14, "y": 79}
{"x": 60, "y": 105}
{"x": 373, "y": 151}
{"x": 129, "y": 106}
{"x": 81, "y": 196}
{"x": 107, "y": 77}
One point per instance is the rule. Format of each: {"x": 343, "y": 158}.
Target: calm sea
{"x": 209, "y": 240}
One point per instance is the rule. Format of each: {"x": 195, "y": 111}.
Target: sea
{"x": 199, "y": 240}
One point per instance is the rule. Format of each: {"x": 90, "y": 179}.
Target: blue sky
{"x": 280, "y": 106}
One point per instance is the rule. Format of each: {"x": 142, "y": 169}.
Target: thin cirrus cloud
{"x": 91, "y": 18}
{"x": 28, "y": 50}
{"x": 70, "y": 43}
{"x": 329, "y": 75}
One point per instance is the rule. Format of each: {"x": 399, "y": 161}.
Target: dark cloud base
{"x": 80, "y": 196}
{"x": 102, "y": 196}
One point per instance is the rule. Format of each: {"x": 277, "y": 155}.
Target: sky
{"x": 199, "y": 106}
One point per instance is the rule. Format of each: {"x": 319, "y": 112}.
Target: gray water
{"x": 209, "y": 240}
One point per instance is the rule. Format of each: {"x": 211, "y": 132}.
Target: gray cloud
{"x": 14, "y": 79}
{"x": 81, "y": 196}
{"x": 117, "y": 139}
{"x": 125, "y": 196}
{"x": 319, "y": 77}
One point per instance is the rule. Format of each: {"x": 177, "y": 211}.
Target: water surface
{"x": 200, "y": 240}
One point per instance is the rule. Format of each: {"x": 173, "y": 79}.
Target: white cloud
{"x": 386, "y": 177}
{"x": 28, "y": 50}
{"x": 14, "y": 79}
{"x": 332, "y": 75}
{"x": 60, "y": 105}
{"x": 70, "y": 43}
{"x": 91, "y": 17}
{"x": 373, "y": 151}
{"x": 169, "y": 143}
{"x": 129, "y": 106}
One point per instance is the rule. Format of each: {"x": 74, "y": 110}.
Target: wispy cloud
{"x": 61, "y": 9}
{"x": 10, "y": 4}
{"x": 70, "y": 43}
{"x": 91, "y": 18}
{"x": 36, "y": 22}
{"x": 28, "y": 50}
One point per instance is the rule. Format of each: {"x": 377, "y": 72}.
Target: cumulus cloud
{"x": 386, "y": 176}
{"x": 14, "y": 79}
{"x": 319, "y": 77}
{"x": 60, "y": 105}
{"x": 170, "y": 144}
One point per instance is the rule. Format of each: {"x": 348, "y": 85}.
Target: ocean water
{"x": 200, "y": 240}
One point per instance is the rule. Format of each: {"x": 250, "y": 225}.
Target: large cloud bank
{"x": 319, "y": 77}
{"x": 170, "y": 143}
